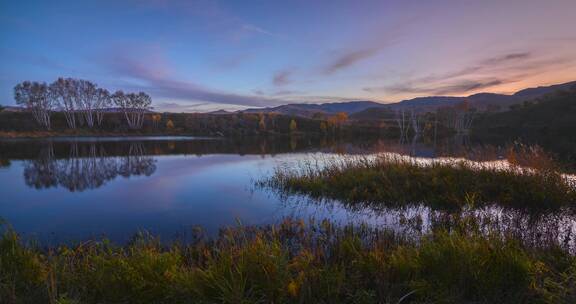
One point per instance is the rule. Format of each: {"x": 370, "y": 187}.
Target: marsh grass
{"x": 291, "y": 262}
{"x": 527, "y": 179}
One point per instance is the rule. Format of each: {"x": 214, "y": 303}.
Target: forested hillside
{"x": 549, "y": 121}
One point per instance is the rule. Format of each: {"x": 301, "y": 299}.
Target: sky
{"x": 206, "y": 55}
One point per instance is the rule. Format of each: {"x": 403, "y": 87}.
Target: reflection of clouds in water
{"x": 87, "y": 168}
{"x": 214, "y": 189}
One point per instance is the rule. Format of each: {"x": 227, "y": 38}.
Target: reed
{"x": 290, "y": 262}
{"x": 390, "y": 180}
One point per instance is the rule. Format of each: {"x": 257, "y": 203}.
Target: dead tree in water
{"x": 416, "y": 121}
{"x": 458, "y": 117}
{"x": 403, "y": 123}
{"x": 463, "y": 117}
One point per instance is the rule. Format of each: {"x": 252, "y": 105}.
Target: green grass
{"x": 392, "y": 181}
{"x": 291, "y": 262}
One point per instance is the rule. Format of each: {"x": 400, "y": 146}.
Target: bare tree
{"x": 464, "y": 117}
{"x": 402, "y": 121}
{"x": 103, "y": 101}
{"x": 35, "y": 97}
{"x": 134, "y": 107}
{"x": 416, "y": 120}
{"x": 86, "y": 101}
{"x": 64, "y": 94}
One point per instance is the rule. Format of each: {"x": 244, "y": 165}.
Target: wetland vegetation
{"x": 489, "y": 230}
{"x": 291, "y": 261}
{"x": 527, "y": 179}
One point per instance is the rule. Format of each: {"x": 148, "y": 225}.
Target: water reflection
{"x": 89, "y": 186}
{"x": 533, "y": 229}
{"x": 86, "y": 167}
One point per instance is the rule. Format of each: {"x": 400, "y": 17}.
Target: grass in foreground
{"x": 291, "y": 262}
{"x": 391, "y": 181}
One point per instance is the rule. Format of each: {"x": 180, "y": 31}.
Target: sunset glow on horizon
{"x": 208, "y": 55}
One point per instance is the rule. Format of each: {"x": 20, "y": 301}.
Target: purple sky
{"x": 206, "y": 55}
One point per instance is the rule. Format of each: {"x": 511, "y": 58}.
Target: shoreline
{"x": 86, "y": 133}
{"x": 65, "y": 134}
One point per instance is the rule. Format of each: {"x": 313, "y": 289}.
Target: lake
{"x": 70, "y": 189}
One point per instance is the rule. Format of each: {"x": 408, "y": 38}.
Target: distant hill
{"x": 553, "y": 115}
{"x": 481, "y": 101}
{"x": 308, "y": 110}
{"x": 379, "y": 113}
{"x": 220, "y": 112}
{"x": 13, "y": 109}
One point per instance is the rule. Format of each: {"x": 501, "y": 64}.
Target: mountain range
{"x": 481, "y": 101}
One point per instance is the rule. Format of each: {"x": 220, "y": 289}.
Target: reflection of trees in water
{"x": 40, "y": 173}
{"x": 136, "y": 162}
{"x": 87, "y": 167}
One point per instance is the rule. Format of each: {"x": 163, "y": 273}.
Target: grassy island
{"x": 388, "y": 180}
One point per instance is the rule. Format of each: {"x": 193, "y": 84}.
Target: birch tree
{"x": 35, "y": 97}
{"x": 103, "y": 102}
{"x": 415, "y": 119}
{"x": 134, "y": 106}
{"x": 86, "y": 100}
{"x": 64, "y": 95}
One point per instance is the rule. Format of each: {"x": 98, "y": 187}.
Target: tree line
{"x": 81, "y": 101}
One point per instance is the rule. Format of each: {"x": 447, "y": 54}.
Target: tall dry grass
{"x": 291, "y": 262}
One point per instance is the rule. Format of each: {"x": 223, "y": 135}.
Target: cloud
{"x": 455, "y": 88}
{"x": 232, "y": 62}
{"x": 153, "y": 73}
{"x": 195, "y": 107}
{"x": 506, "y": 58}
{"x": 367, "y": 46}
{"x": 349, "y": 59}
{"x": 286, "y": 92}
{"x": 484, "y": 74}
{"x": 245, "y": 30}
{"x": 482, "y": 66}
{"x": 282, "y": 77}
{"x": 39, "y": 60}
{"x": 255, "y": 29}
{"x": 218, "y": 18}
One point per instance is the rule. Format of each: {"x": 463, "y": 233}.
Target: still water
{"x": 69, "y": 189}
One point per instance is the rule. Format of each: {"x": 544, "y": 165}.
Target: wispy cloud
{"x": 220, "y": 20}
{"x": 488, "y": 73}
{"x": 506, "y": 58}
{"x": 256, "y": 29}
{"x": 458, "y": 87}
{"x": 196, "y": 107}
{"x": 366, "y": 45}
{"x": 153, "y": 73}
{"x": 488, "y": 64}
{"x": 348, "y": 59}
{"x": 39, "y": 60}
{"x": 242, "y": 31}
{"x": 282, "y": 77}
